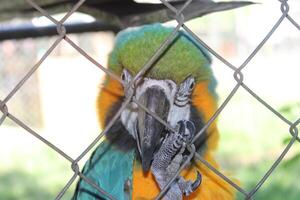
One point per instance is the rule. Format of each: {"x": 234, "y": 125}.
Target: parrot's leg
{"x": 168, "y": 160}
{"x": 161, "y": 162}
{"x": 186, "y": 187}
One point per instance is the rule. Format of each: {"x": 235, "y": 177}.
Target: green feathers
{"x": 184, "y": 57}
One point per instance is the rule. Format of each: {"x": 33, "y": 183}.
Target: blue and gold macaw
{"x": 180, "y": 89}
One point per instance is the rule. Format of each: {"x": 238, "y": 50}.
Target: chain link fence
{"x": 179, "y": 17}
{"x": 16, "y": 68}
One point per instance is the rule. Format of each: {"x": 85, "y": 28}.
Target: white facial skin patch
{"x": 178, "y": 97}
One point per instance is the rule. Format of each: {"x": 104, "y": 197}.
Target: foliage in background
{"x": 249, "y": 168}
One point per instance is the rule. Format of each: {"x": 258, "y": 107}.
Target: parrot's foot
{"x": 188, "y": 187}
{"x": 169, "y": 158}
{"x": 184, "y": 135}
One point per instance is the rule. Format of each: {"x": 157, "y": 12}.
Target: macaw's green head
{"x": 184, "y": 57}
{"x": 165, "y": 88}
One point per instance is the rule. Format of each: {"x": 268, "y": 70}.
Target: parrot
{"x": 138, "y": 154}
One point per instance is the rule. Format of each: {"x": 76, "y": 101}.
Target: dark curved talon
{"x": 190, "y": 125}
{"x": 197, "y": 182}
{"x": 192, "y": 129}
{"x": 193, "y": 186}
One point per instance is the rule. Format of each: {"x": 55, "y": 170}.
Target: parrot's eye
{"x": 126, "y": 76}
{"x": 186, "y": 87}
{"x": 123, "y": 77}
{"x": 192, "y": 85}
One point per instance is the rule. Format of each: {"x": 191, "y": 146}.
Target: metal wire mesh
{"x": 16, "y": 68}
{"x": 179, "y": 17}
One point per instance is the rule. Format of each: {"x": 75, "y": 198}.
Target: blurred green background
{"x": 58, "y": 102}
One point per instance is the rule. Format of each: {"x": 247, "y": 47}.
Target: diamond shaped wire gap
{"x": 21, "y": 84}
{"x": 31, "y": 71}
{"x": 60, "y": 95}
{"x": 29, "y": 52}
{"x": 32, "y": 163}
{"x": 294, "y": 132}
{"x": 224, "y": 121}
{"x": 286, "y": 149}
{"x": 265, "y": 75}
{"x": 71, "y": 86}
{"x": 253, "y": 120}
{"x": 290, "y": 164}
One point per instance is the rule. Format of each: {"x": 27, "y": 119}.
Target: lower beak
{"x": 150, "y": 131}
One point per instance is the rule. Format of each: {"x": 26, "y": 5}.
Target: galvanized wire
{"x": 179, "y": 17}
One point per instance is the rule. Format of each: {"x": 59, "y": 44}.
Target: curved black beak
{"x": 150, "y": 130}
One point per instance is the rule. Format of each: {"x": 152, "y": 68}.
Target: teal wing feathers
{"x": 110, "y": 168}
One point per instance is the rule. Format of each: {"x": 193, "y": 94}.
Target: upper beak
{"x": 149, "y": 129}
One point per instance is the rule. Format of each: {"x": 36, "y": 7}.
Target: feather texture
{"x": 112, "y": 165}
